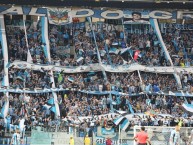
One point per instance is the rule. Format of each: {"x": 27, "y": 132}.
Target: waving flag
{"x": 102, "y": 52}
{"x": 125, "y": 126}
{"x": 71, "y": 79}
{"x": 113, "y": 50}
{"x": 118, "y": 120}
{"x": 53, "y": 109}
{"x": 148, "y": 88}
{"x": 79, "y": 59}
{"x": 5, "y": 109}
{"x": 123, "y": 122}
{"x": 51, "y": 101}
{"x": 188, "y": 107}
{"x": 125, "y": 50}
{"x": 171, "y": 93}
{"x": 46, "y": 106}
{"x": 91, "y": 73}
{"x": 115, "y": 43}
{"x": 29, "y": 58}
{"x": 20, "y": 78}
{"x": 130, "y": 108}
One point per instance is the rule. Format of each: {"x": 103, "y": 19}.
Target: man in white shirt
{"x": 175, "y": 136}
{"x": 15, "y": 138}
{"x": 191, "y": 138}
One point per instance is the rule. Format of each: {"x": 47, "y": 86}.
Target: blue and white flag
{"x": 51, "y": 101}
{"x": 79, "y": 59}
{"x": 115, "y": 43}
{"x": 156, "y": 43}
{"x": 71, "y": 79}
{"x": 102, "y": 52}
{"x": 113, "y": 50}
{"x": 188, "y": 107}
{"x": 148, "y": 88}
{"x": 91, "y": 73}
{"x": 20, "y": 78}
{"x": 53, "y": 109}
{"x": 125, "y": 125}
{"x": 118, "y": 120}
{"x": 46, "y": 106}
{"x": 130, "y": 108}
{"x": 5, "y": 109}
{"x": 125, "y": 50}
{"x": 171, "y": 93}
{"x": 29, "y": 58}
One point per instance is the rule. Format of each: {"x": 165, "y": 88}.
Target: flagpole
{"x": 27, "y": 53}
{"x": 93, "y": 33}
{"x": 120, "y": 138}
{"x": 119, "y": 134}
{"x": 25, "y": 33}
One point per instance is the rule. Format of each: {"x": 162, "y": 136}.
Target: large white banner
{"x": 103, "y": 67}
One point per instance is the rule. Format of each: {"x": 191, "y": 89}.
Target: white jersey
{"x": 175, "y": 138}
{"x": 16, "y": 139}
{"x": 191, "y": 141}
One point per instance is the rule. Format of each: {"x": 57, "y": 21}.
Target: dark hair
{"x": 143, "y": 128}
{"x": 138, "y": 13}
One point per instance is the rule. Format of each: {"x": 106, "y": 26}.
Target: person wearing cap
{"x": 87, "y": 140}
{"x": 71, "y": 140}
{"x": 142, "y": 137}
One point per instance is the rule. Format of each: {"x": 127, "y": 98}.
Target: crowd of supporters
{"x": 179, "y": 45}
{"x": 29, "y": 78}
{"x": 91, "y": 94}
{"x": 20, "y": 42}
{"x": 150, "y": 110}
{"x": 72, "y": 47}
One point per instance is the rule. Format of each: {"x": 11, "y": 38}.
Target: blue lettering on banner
{"x": 179, "y": 26}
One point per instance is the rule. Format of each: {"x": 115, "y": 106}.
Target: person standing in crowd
{"x": 15, "y": 140}
{"x": 87, "y": 140}
{"x": 142, "y": 137}
{"x": 108, "y": 141}
{"x": 191, "y": 138}
{"x": 71, "y": 140}
{"x": 175, "y": 136}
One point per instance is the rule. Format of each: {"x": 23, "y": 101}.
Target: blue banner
{"x": 61, "y": 14}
